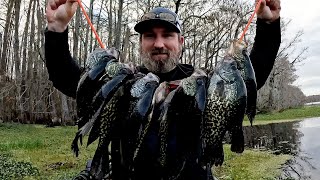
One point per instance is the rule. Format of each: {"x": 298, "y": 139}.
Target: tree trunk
{"x": 118, "y": 27}
{"x": 31, "y": 63}
{"x": 65, "y": 113}
{"x": 6, "y": 36}
{"x": 23, "y": 93}
{"x": 110, "y": 22}
{"x": 76, "y": 34}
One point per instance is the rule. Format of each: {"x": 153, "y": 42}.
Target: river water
{"x": 300, "y": 139}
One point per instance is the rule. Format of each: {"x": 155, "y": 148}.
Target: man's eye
{"x": 168, "y": 35}
{"x": 149, "y": 35}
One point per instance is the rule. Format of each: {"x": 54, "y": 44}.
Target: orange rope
{"x": 250, "y": 20}
{"x": 92, "y": 28}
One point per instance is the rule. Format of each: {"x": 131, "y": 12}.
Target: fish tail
{"x": 237, "y": 141}
{"x": 74, "y": 145}
{"x": 251, "y": 117}
{"x": 100, "y": 161}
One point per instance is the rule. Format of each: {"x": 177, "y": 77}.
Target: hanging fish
{"x": 225, "y": 108}
{"x": 180, "y": 120}
{"x": 124, "y": 106}
{"x": 186, "y": 100}
{"x": 238, "y": 50}
{"x": 90, "y": 83}
{"x": 158, "y": 97}
{"x": 117, "y": 74}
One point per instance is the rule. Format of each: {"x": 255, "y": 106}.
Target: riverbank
{"x": 36, "y": 152}
{"x": 285, "y": 116}
{"x": 250, "y": 165}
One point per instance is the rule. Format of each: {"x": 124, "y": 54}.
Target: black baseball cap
{"x": 159, "y": 16}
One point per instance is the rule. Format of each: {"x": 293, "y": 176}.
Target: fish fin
{"x": 100, "y": 161}
{"x": 84, "y": 130}
{"x": 88, "y": 126}
{"x": 144, "y": 104}
{"x": 251, "y": 87}
{"x": 74, "y": 144}
{"x": 95, "y": 132}
{"x": 251, "y": 118}
{"x": 237, "y": 141}
{"x": 214, "y": 154}
{"x": 218, "y": 155}
{"x": 111, "y": 86}
{"x": 201, "y": 94}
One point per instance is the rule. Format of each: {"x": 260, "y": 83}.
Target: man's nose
{"x": 159, "y": 42}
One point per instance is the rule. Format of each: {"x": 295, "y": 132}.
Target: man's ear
{"x": 181, "y": 40}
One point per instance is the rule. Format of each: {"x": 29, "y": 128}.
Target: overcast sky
{"x": 305, "y": 15}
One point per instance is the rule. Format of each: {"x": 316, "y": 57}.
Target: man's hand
{"x": 269, "y": 10}
{"x": 59, "y": 14}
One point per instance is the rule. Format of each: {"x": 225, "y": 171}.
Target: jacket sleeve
{"x": 63, "y": 70}
{"x": 265, "y": 49}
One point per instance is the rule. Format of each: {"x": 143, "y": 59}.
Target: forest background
{"x": 27, "y": 94}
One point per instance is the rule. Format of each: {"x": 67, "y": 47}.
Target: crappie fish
{"x": 140, "y": 105}
{"x": 90, "y": 82}
{"x": 110, "y": 116}
{"x": 158, "y": 97}
{"x": 179, "y": 123}
{"x": 184, "y": 102}
{"x": 123, "y": 107}
{"x": 225, "y": 108}
{"x": 238, "y": 50}
{"x": 116, "y": 74}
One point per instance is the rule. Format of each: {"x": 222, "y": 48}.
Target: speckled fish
{"x": 118, "y": 73}
{"x": 123, "y": 107}
{"x": 180, "y": 116}
{"x": 140, "y": 101}
{"x": 158, "y": 97}
{"x": 90, "y": 83}
{"x": 238, "y": 50}
{"x": 225, "y": 108}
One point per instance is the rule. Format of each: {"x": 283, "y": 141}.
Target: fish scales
{"x": 111, "y": 113}
{"x": 180, "y": 116}
{"x": 112, "y": 119}
{"x": 115, "y": 75}
{"x": 225, "y": 106}
{"x": 140, "y": 104}
{"x": 158, "y": 97}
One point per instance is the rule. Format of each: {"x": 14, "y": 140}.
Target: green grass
{"x": 36, "y": 152}
{"x": 286, "y": 115}
{"x": 250, "y": 165}
{"x": 47, "y": 149}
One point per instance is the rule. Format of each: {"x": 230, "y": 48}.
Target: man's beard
{"x": 160, "y": 65}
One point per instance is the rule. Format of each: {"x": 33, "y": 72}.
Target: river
{"x": 300, "y": 139}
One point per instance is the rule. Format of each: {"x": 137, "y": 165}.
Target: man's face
{"x": 160, "y": 49}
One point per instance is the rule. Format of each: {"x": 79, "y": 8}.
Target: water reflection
{"x": 300, "y": 139}
{"x": 277, "y": 137}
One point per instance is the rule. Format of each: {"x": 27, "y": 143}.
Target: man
{"x": 160, "y": 47}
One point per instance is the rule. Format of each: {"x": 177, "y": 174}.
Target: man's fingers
{"x": 52, "y": 5}
{"x": 274, "y": 4}
{"x": 262, "y": 5}
{"x": 72, "y": 7}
